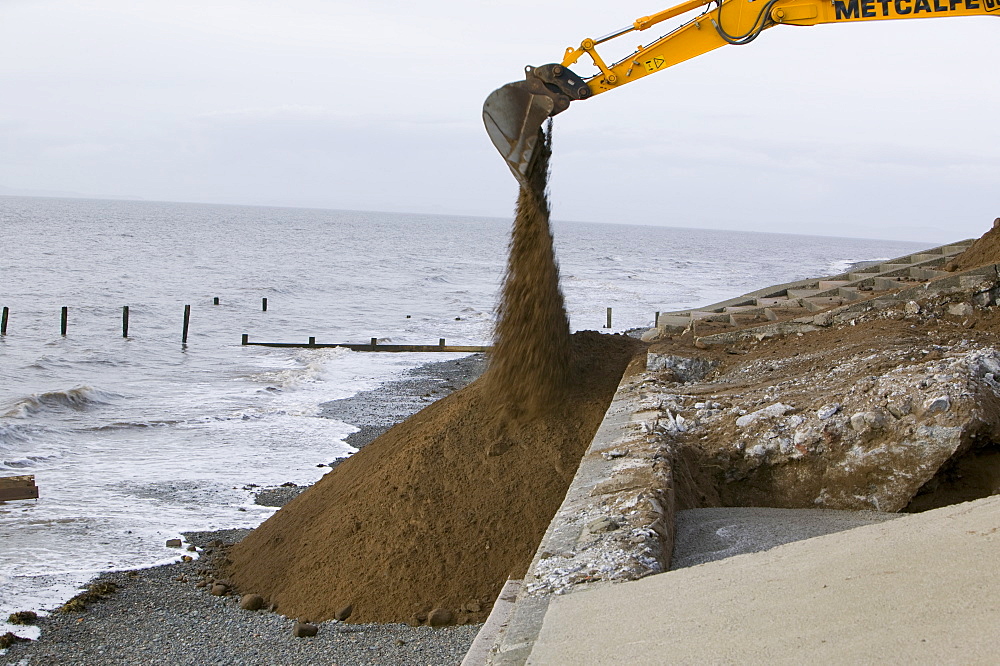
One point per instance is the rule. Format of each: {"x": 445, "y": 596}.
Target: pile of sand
{"x": 986, "y": 250}
{"x": 441, "y": 509}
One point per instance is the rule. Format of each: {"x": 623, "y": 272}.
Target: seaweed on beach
{"x": 23, "y": 617}
{"x": 10, "y": 638}
{"x": 94, "y": 592}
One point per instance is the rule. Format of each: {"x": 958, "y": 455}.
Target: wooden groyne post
{"x": 3, "y": 320}
{"x": 64, "y": 320}
{"x": 609, "y": 319}
{"x": 187, "y": 321}
{"x": 263, "y": 305}
{"x": 124, "y": 321}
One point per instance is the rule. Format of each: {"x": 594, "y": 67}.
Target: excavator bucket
{"x": 514, "y": 113}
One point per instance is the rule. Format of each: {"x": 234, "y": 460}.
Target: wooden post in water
{"x": 609, "y": 319}
{"x": 64, "y": 320}
{"x": 374, "y": 342}
{"x": 124, "y": 321}
{"x": 187, "y": 321}
{"x": 441, "y": 343}
{"x": 215, "y": 301}
{"x": 312, "y": 340}
{"x": 656, "y": 320}
{"x": 3, "y": 320}
{"x": 263, "y": 304}
{"x": 246, "y": 339}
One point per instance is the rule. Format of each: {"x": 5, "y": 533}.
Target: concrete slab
{"x": 921, "y": 589}
{"x": 708, "y": 535}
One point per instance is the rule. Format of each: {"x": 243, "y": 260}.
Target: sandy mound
{"x": 986, "y": 250}
{"x": 437, "y": 512}
{"x": 441, "y": 509}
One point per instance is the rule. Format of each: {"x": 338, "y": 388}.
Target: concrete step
{"x": 858, "y": 276}
{"x": 708, "y": 315}
{"x": 832, "y": 284}
{"x": 779, "y": 302}
{"x": 671, "y": 321}
{"x": 955, "y": 248}
{"x": 774, "y": 314}
{"x": 889, "y": 268}
{"x": 921, "y": 258}
{"x": 817, "y": 303}
{"x": 741, "y": 308}
{"x": 802, "y": 293}
{"x": 738, "y": 319}
{"x": 927, "y": 273}
{"x": 850, "y": 293}
{"x": 888, "y": 283}
{"x": 970, "y": 281}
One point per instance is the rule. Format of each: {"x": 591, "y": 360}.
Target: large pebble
{"x": 777, "y": 409}
{"x": 942, "y": 403}
{"x": 440, "y": 617}
{"x": 304, "y": 629}
{"x": 826, "y": 411}
{"x": 252, "y": 602}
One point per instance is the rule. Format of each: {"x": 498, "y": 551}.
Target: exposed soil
{"x": 440, "y": 510}
{"x": 838, "y": 364}
{"x": 986, "y": 250}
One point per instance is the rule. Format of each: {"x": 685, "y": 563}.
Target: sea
{"x": 134, "y": 440}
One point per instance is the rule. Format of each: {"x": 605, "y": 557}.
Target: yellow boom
{"x": 514, "y": 113}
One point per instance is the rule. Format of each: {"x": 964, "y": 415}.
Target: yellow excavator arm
{"x": 514, "y": 113}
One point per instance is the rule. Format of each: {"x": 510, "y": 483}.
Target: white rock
{"x": 757, "y": 451}
{"x": 771, "y": 411}
{"x": 960, "y": 309}
{"x": 804, "y": 436}
{"x": 912, "y": 307}
{"x": 826, "y": 411}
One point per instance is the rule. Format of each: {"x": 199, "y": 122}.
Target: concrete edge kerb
{"x": 615, "y": 523}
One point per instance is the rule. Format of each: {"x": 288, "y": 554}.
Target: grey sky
{"x": 885, "y": 129}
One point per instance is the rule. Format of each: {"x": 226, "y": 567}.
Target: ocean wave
{"x": 438, "y": 279}
{"x": 129, "y": 425}
{"x": 848, "y": 265}
{"x": 310, "y": 368}
{"x": 77, "y": 399}
{"x": 12, "y": 434}
{"x": 26, "y": 462}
